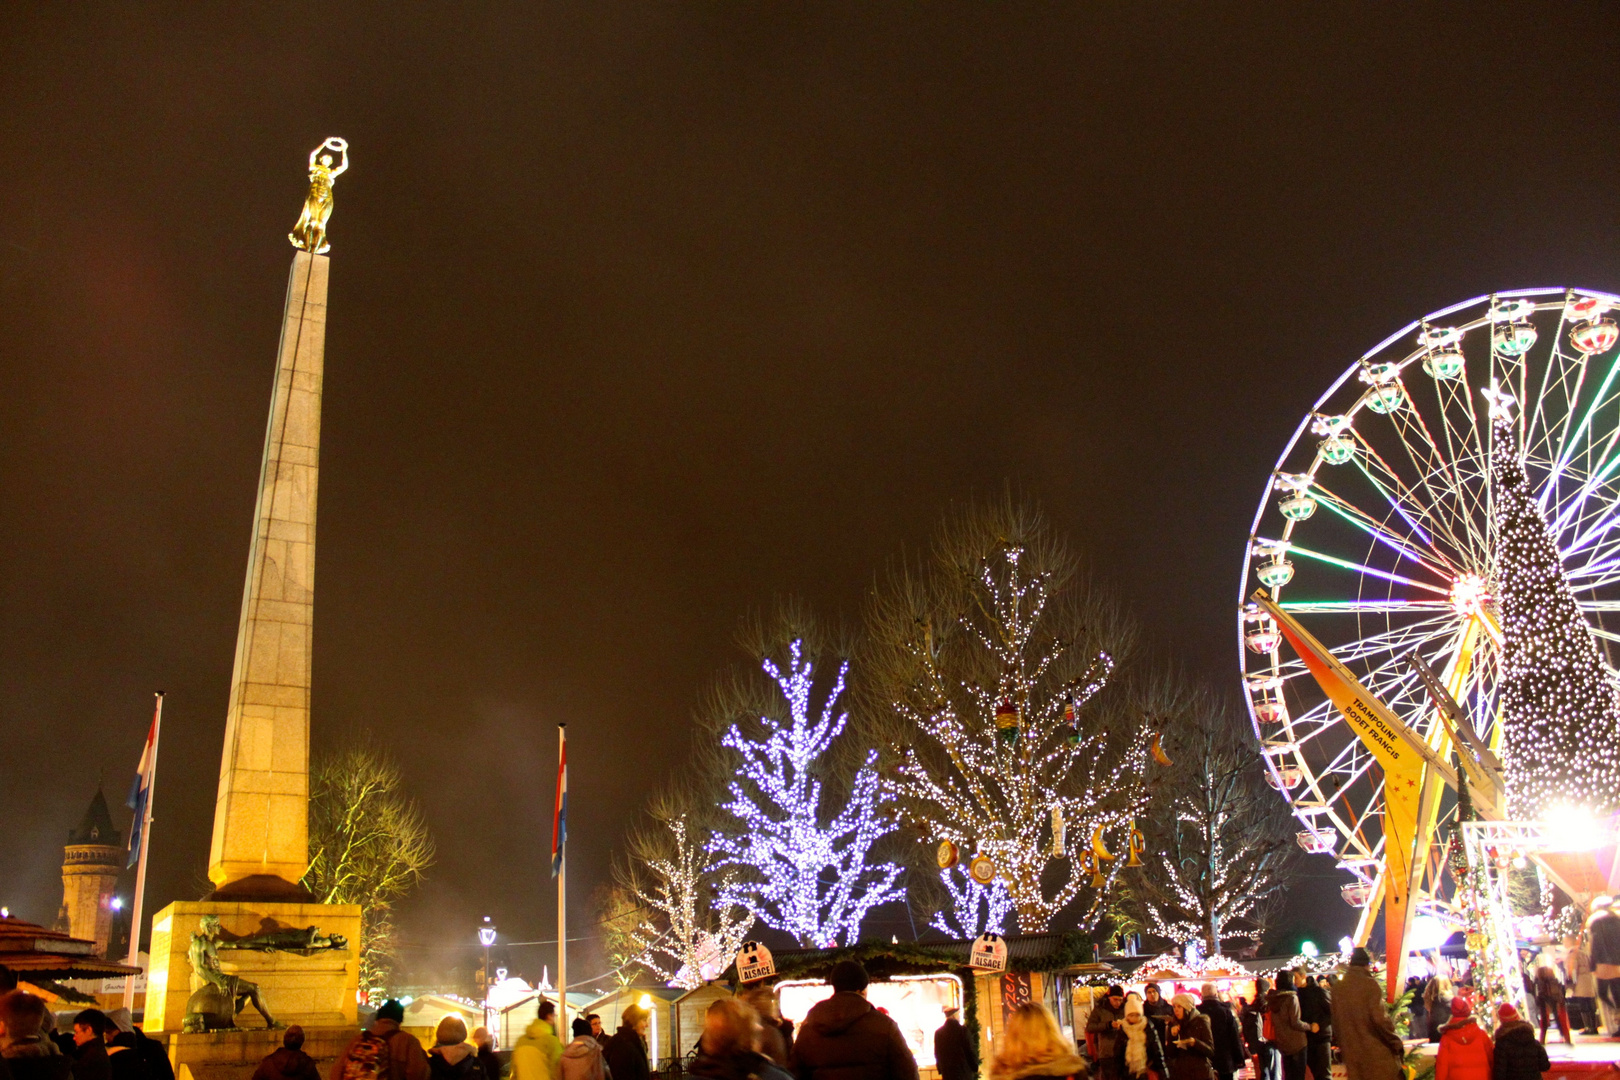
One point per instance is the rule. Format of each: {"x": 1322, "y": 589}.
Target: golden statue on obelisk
{"x": 310, "y": 232}
{"x": 260, "y": 847}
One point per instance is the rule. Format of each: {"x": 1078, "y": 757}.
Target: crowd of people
{"x": 1286, "y": 1032}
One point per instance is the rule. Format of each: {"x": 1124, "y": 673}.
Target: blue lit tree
{"x": 974, "y": 909}
{"x": 803, "y": 853}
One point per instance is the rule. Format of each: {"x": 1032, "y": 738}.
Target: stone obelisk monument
{"x": 260, "y": 845}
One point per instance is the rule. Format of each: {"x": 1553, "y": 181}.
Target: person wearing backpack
{"x": 382, "y": 1051}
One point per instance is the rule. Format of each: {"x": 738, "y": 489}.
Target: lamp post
{"x": 486, "y": 938}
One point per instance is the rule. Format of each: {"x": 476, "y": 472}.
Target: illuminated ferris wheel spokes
{"x": 1377, "y": 532}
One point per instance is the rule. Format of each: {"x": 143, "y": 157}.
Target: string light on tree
{"x": 974, "y": 909}
{"x": 798, "y": 874}
{"x": 683, "y": 936}
{"x": 1560, "y": 714}
{"x": 988, "y": 666}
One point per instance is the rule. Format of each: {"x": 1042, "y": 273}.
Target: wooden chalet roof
{"x": 28, "y": 949}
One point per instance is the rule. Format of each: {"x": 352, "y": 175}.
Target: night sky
{"x": 643, "y": 316}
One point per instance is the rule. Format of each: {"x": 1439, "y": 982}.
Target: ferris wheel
{"x": 1375, "y": 531}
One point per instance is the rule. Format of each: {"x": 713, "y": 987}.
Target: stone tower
{"x": 92, "y": 859}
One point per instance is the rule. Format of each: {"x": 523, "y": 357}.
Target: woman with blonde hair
{"x": 1032, "y": 1046}
{"x": 729, "y": 1048}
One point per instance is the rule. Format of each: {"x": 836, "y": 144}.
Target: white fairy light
{"x": 960, "y": 778}
{"x": 1560, "y": 715}
{"x": 975, "y": 909}
{"x": 683, "y": 936}
{"x": 809, "y": 879}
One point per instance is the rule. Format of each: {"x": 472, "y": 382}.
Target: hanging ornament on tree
{"x": 981, "y": 869}
{"x": 1070, "y": 724}
{"x": 1007, "y": 721}
{"x": 1137, "y": 843}
{"x": 947, "y": 855}
{"x": 1158, "y": 751}
{"x": 1089, "y": 865}
{"x": 1058, "y": 833}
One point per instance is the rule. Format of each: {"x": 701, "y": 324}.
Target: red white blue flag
{"x": 559, "y": 822}
{"x": 140, "y": 792}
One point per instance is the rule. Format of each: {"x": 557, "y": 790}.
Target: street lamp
{"x": 486, "y": 938}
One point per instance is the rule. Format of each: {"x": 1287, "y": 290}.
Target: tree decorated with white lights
{"x": 1220, "y": 846}
{"x": 802, "y": 828}
{"x": 684, "y": 933}
{"x": 983, "y": 662}
{"x": 1561, "y": 718}
{"x": 973, "y": 909}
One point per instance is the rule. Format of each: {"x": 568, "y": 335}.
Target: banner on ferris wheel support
{"x": 1391, "y": 744}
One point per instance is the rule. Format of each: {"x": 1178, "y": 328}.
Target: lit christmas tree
{"x": 798, "y": 871}
{"x": 974, "y": 909}
{"x": 683, "y": 934}
{"x": 983, "y": 665}
{"x": 1561, "y": 717}
{"x": 1220, "y": 846}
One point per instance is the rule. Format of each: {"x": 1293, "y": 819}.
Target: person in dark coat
{"x": 845, "y": 1038}
{"x": 90, "y": 1061}
{"x": 452, "y": 1056}
{"x": 484, "y": 1044}
{"x": 626, "y": 1051}
{"x": 25, "y": 1051}
{"x": 1437, "y": 1002}
{"x": 729, "y": 1048}
{"x": 1157, "y": 1010}
{"x": 1550, "y": 1003}
{"x": 1191, "y": 1044}
{"x": 776, "y": 1034}
{"x": 1223, "y": 1025}
{"x": 290, "y": 1062}
{"x": 1137, "y": 1048}
{"x": 1252, "y": 1019}
{"x": 1361, "y": 1024}
{"x": 154, "y": 1056}
{"x": 1603, "y": 945}
{"x": 1519, "y": 1055}
{"x": 1316, "y": 1009}
{"x": 1288, "y": 1031}
{"x": 953, "y": 1050}
{"x": 1103, "y": 1025}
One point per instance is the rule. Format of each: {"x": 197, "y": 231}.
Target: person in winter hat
{"x": 1191, "y": 1045}
{"x": 1288, "y": 1030}
{"x": 1136, "y": 1046}
{"x": 1157, "y": 1009}
{"x": 1033, "y": 1047}
{"x": 1466, "y": 1052}
{"x": 626, "y": 1050}
{"x": 729, "y": 1048}
{"x": 1361, "y": 1024}
{"x": 845, "y": 1038}
{"x": 582, "y": 1059}
{"x": 397, "y": 1054}
{"x": 1102, "y": 1028}
{"x": 290, "y": 1062}
{"x": 1517, "y": 1054}
{"x": 1223, "y": 1025}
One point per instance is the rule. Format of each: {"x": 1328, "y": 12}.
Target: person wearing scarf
{"x": 1137, "y": 1049}
{"x": 1191, "y": 1045}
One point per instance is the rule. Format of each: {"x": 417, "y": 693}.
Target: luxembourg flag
{"x": 559, "y": 822}
{"x": 140, "y": 792}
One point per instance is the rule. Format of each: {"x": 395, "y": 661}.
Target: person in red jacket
{"x": 1466, "y": 1052}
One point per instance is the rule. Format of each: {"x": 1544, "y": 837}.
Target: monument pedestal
{"x": 319, "y": 990}
{"x": 234, "y": 1055}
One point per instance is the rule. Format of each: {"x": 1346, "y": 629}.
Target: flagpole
{"x": 562, "y": 897}
{"x": 145, "y": 825}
